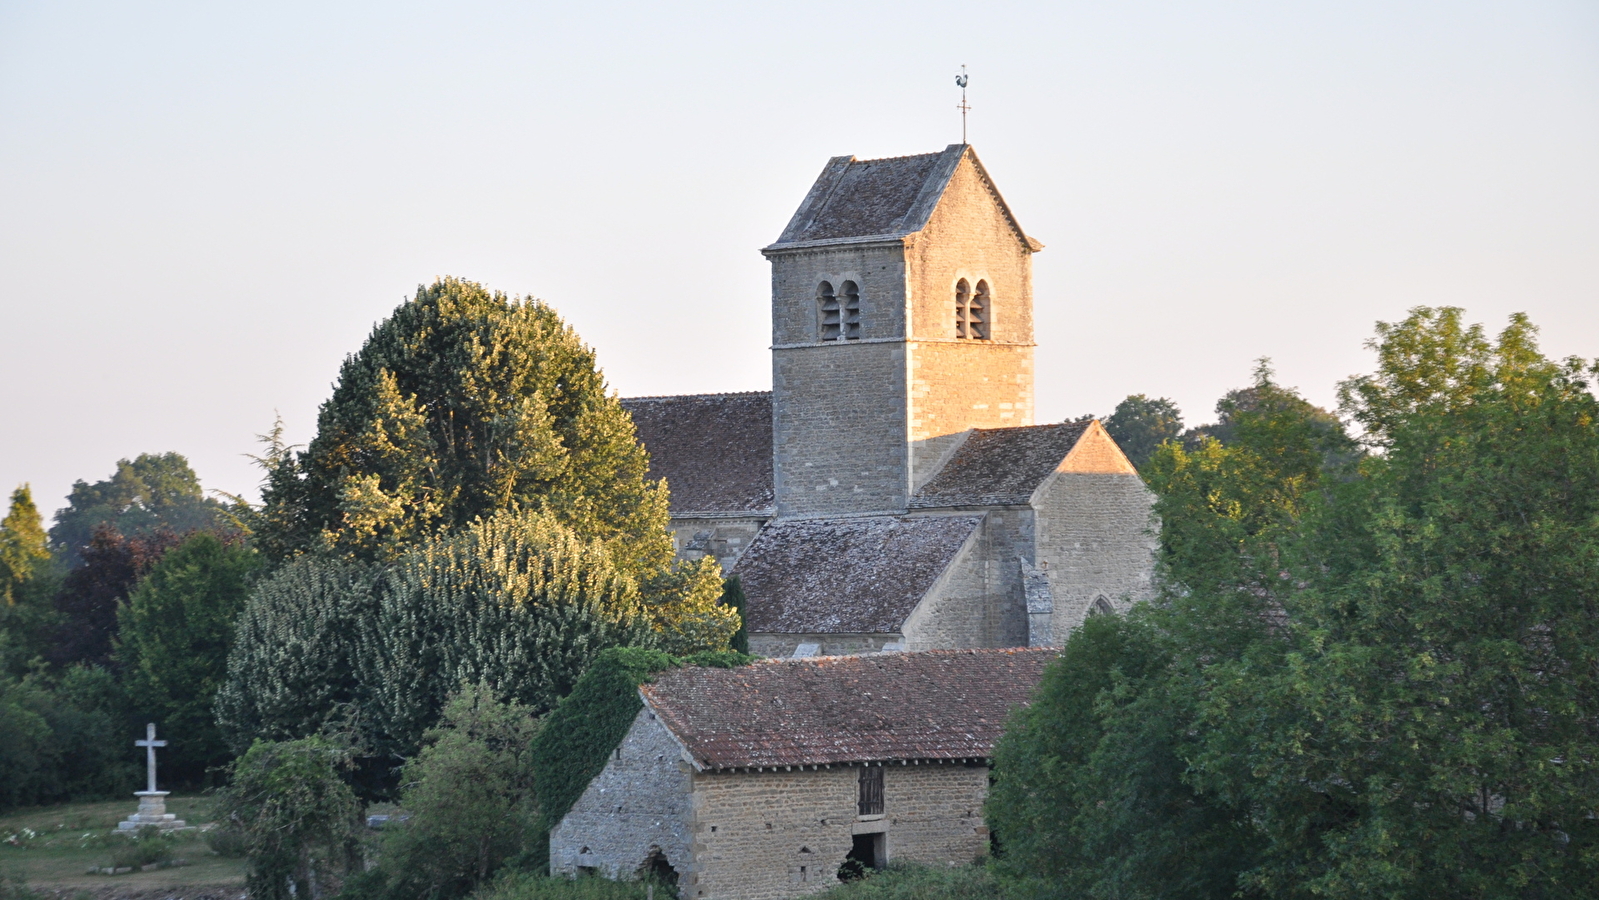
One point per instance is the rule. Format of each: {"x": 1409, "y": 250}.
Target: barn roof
{"x": 878, "y": 199}
{"x": 714, "y": 450}
{"x": 846, "y": 576}
{"x": 937, "y": 705}
{"x": 1000, "y": 466}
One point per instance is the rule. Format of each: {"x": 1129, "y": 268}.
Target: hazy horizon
{"x": 203, "y": 210}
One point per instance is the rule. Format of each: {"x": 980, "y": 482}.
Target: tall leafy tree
{"x": 151, "y": 493}
{"x": 293, "y": 667}
{"x": 462, "y": 403}
{"x": 1140, "y": 424}
{"x": 1433, "y": 730}
{"x": 173, "y": 638}
{"x": 518, "y": 602}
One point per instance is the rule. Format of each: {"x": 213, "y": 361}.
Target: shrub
{"x": 299, "y": 816}
{"x": 227, "y": 841}
{"x": 523, "y": 886}
{"x": 469, "y": 793}
{"x": 146, "y": 847}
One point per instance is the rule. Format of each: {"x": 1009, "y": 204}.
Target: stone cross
{"x": 149, "y": 744}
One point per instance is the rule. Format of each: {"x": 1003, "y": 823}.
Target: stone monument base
{"x": 152, "y": 811}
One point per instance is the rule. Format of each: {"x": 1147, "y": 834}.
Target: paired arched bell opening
{"x": 839, "y": 311}
{"x": 972, "y": 310}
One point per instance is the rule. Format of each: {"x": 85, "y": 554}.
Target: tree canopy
{"x": 173, "y": 638}
{"x": 1140, "y": 424}
{"x": 1367, "y": 674}
{"x": 151, "y": 493}
{"x": 460, "y": 404}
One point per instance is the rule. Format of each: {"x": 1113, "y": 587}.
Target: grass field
{"x": 53, "y": 846}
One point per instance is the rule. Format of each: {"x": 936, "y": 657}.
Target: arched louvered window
{"x": 840, "y": 311}
{"x": 977, "y": 313}
{"x": 827, "y": 308}
{"x": 963, "y": 302}
{"x": 971, "y": 310}
{"x": 849, "y": 298}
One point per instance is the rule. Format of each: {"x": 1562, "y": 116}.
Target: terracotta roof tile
{"x": 846, "y": 576}
{"x": 938, "y": 705}
{"x": 714, "y": 450}
{"x": 999, "y": 466}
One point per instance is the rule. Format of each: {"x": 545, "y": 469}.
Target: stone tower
{"x": 902, "y": 317}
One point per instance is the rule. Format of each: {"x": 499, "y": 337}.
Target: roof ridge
{"x": 906, "y": 156}
{"x": 696, "y": 396}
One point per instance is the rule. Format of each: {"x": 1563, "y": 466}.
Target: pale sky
{"x": 205, "y": 206}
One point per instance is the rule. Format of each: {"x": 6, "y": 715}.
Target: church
{"x": 891, "y": 492}
{"x": 910, "y": 544}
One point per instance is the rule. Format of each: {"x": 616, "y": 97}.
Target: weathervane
{"x": 961, "y": 80}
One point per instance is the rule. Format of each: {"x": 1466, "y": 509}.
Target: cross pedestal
{"x": 152, "y": 803}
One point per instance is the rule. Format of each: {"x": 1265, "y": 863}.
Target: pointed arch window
{"x": 1101, "y": 607}
{"x": 839, "y": 311}
{"x": 971, "y": 310}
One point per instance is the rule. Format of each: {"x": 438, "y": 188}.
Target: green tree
{"x": 23, "y": 546}
{"x": 148, "y": 494}
{"x": 1141, "y": 424}
{"x": 517, "y": 602}
{"x": 297, "y": 815}
{"x": 1432, "y": 731}
{"x": 173, "y": 638}
{"x": 27, "y": 581}
{"x": 460, "y": 404}
{"x": 293, "y": 666}
{"x": 86, "y": 602}
{"x": 470, "y": 797}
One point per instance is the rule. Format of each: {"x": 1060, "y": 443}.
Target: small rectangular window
{"x": 871, "y": 802}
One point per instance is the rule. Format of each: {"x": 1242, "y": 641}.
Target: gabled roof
{"x": 714, "y": 450}
{"x": 846, "y": 576}
{"x": 1000, "y": 466}
{"x": 938, "y": 705}
{"x": 879, "y": 199}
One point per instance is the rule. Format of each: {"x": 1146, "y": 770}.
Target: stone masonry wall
{"x": 776, "y": 835}
{"x": 782, "y": 646}
{"x": 957, "y": 613}
{"x": 838, "y": 438}
{"x": 725, "y": 538}
{"x": 640, "y": 800}
{"x": 1094, "y": 535}
{"x": 969, "y": 236}
{"x": 879, "y": 272}
{"x": 958, "y": 385}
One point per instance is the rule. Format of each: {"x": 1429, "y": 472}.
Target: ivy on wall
{"x": 580, "y": 733}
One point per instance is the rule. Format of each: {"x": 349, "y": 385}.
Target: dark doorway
{"x": 658, "y": 868}
{"x": 866, "y": 853}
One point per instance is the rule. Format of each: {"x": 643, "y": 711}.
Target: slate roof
{"x": 999, "y": 466}
{"x": 846, "y": 576}
{"x": 714, "y": 450}
{"x": 937, "y": 705}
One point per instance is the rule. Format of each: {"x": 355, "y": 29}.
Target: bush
{"x": 227, "y": 841}
{"x": 912, "y": 882}
{"x": 299, "y": 817}
{"x": 469, "y": 794}
{"x": 145, "y": 848}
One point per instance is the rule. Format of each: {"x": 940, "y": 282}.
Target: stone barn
{"x": 760, "y": 782}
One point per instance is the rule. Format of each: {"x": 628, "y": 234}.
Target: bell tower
{"x": 902, "y": 317}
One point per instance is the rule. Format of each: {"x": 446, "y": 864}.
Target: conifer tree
{"x": 460, "y": 404}
{"x": 23, "y": 545}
